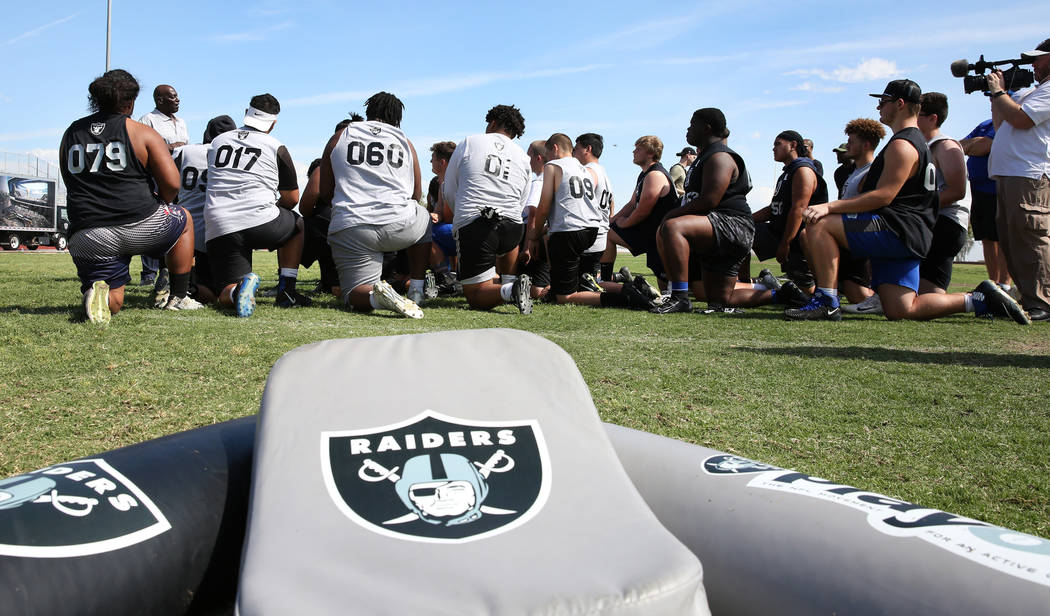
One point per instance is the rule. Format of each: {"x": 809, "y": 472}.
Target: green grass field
{"x": 951, "y": 414}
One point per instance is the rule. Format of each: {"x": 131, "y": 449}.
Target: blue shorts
{"x": 442, "y": 236}
{"x": 868, "y": 235}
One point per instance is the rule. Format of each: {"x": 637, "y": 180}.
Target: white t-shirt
{"x": 374, "y": 176}
{"x": 851, "y": 187}
{"x": 486, "y": 171}
{"x": 173, "y": 130}
{"x": 604, "y": 193}
{"x": 575, "y": 206}
{"x": 247, "y": 169}
{"x": 1024, "y": 153}
{"x": 192, "y": 161}
{"x": 533, "y": 199}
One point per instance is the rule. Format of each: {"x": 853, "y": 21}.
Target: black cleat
{"x": 292, "y": 299}
{"x": 790, "y": 295}
{"x": 766, "y": 277}
{"x": 720, "y": 309}
{"x": 673, "y": 304}
{"x": 589, "y": 283}
{"x": 646, "y": 289}
{"x": 624, "y": 275}
{"x": 636, "y": 300}
{"x": 997, "y": 303}
{"x": 815, "y": 310}
{"x": 523, "y": 294}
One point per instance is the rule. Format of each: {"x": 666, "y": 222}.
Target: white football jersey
{"x": 247, "y": 169}
{"x": 575, "y": 206}
{"x": 604, "y": 193}
{"x": 486, "y": 171}
{"x": 374, "y": 176}
{"x": 192, "y": 161}
{"x": 533, "y": 200}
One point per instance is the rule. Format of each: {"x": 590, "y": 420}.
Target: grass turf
{"x": 950, "y": 414}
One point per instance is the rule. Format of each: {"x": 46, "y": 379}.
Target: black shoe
{"x": 673, "y": 304}
{"x": 523, "y": 294}
{"x": 815, "y": 310}
{"x": 624, "y": 275}
{"x": 292, "y": 299}
{"x": 720, "y": 309}
{"x": 992, "y": 301}
{"x": 766, "y": 277}
{"x": 1038, "y": 314}
{"x": 790, "y": 295}
{"x": 588, "y": 283}
{"x": 147, "y": 279}
{"x": 636, "y": 300}
{"x": 646, "y": 289}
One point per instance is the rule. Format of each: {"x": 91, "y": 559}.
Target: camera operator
{"x": 1021, "y": 167}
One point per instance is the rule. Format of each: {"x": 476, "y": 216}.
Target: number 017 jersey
{"x": 487, "y": 171}
{"x": 247, "y": 169}
{"x": 374, "y": 176}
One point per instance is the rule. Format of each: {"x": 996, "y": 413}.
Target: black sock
{"x": 680, "y": 294}
{"x": 614, "y": 300}
{"x": 607, "y": 271}
{"x": 179, "y": 284}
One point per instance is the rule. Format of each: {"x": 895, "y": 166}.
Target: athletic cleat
{"x": 292, "y": 299}
{"x": 430, "y": 285}
{"x": 815, "y": 310}
{"x": 182, "y": 303}
{"x": 872, "y": 305}
{"x": 720, "y": 309}
{"x": 522, "y": 294}
{"x": 766, "y": 278}
{"x": 790, "y": 295}
{"x": 673, "y": 304}
{"x": 161, "y": 289}
{"x": 244, "y": 295}
{"x": 146, "y": 280}
{"x": 96, "y": 303}
{"x": 589, "y": 283}
{"x": 624, "y": 275}
{"x": 388, "y": 298}
{"x": 652, "y": 293}
{"x": 271, "y": 292}
{"x": 997, "y": 302}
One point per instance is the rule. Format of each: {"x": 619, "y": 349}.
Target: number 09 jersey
{"x": 247, "y": 169}
{"x": 576, "y": 205}
{"x": 486, "y": 171}
{"x": 192, "y": 162}
{"x": 603, "y": 193}
{"x": 374, "y": 176}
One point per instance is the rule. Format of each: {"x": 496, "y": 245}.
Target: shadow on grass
{"x": 980, "y": 360}
{"x": 38, "y": 310}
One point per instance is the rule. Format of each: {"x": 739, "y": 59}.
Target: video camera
{"x": 1014, "y": 78}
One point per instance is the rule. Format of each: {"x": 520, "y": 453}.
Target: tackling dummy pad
{"x": 490, "y": 489}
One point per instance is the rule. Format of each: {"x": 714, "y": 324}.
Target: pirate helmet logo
{"x": 96, "y": 128}
{"x": 437, "y": 478}
{"x": 74, "y": 509}
{"x": 375, "y": 130}
{"x": 728, "y": 464}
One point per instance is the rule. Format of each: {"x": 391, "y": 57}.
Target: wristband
{"x": 997, "y": 94}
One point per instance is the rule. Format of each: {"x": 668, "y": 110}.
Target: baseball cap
{"x": 904, "y": 89}
{"x": 1042, "y": 49}
{"x": 258, "y": 119}
{"x": 687, "y": 151}
{"x": 842, "y": 148}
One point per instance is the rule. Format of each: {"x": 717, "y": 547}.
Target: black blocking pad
{"x": 489, "y": 486}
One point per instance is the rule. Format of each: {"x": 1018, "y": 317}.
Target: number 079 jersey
{"x": 374, "y": 176}
{"x": 247, "y": 169}
{"x": 486, "y": 171}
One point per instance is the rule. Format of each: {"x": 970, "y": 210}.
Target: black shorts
{"x": 481, "y": 242}
{"x": 231, "y": 254}
{"x": 982, "y": 216}
{"x": 641, "y": 239}
{"x": 765, "y": 245}
{"x": 566, "y": 248}
{"x": 539, "y": 266}
{"x": 734, "y": 235}
{"x": 201, "y": 274}
{"x": 590, "y": 263}
{"x": 948, "y": 240}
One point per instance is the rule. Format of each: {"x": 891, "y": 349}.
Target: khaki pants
{"x": 1023, "y": 221}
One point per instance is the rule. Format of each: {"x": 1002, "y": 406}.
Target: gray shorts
{"x": 358, "y": 250}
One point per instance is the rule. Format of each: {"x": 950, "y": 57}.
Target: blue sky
{"x": 618, "y": 69}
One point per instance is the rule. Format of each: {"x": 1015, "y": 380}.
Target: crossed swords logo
{"x": 374, "y": 472}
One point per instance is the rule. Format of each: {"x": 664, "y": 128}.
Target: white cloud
{"x": 870, "y": 69}
{"x": 258, "y": 34}
{"x": 5, "y": 98}
{"x": 809, "y": 86}
{"x": 38, "y": 30}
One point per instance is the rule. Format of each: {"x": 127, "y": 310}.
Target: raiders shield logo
{"x": 375, "y": 130}
{"x": 78, "y": 508}
{"x": 499, "y": 146}
{"x": 438, "y": 479}
{"x": 728, "y": 464}
{"x": 96, "y": 128}
{"x": 242, "y": 134}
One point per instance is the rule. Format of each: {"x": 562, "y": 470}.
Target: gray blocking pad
{"x": 490, "y": 490}
{"x": 776, "y": 541}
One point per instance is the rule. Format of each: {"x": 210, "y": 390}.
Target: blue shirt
{"x": 977, "y": 166}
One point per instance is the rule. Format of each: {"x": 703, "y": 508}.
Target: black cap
{"x": 1043, "y": 48}
{"x": 686, "y": 151}
{"x": 904, "y": 89}
{"x": 217, "y": 126}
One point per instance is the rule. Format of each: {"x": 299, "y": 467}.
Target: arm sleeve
{"x": 1037, "y": 105}
{"x": 286, "y": 179}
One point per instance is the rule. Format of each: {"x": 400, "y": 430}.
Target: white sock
{"x": 415, "y": 285}
{"x": 374, "y": 301}
{"x": 969, "y": 303}
{"x": 507, "y": 279}
{"x": 288, "y": 272}
{"x": 507, "y": 291}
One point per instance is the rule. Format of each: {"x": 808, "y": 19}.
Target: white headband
{"x": 259, "y": 119}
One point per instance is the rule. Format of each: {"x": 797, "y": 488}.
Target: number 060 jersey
{"x": 246, "y": 170}
{"x": 374, "y": 176}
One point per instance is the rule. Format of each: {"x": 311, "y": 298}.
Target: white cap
{"x": 259, "y": 120}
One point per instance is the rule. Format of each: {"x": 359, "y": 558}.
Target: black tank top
{"x": 106, "y": 185}
{"x": 913, "y": 212}
{"x": 734, "y": 199}
{"x": 665, "y": 203}
{"x": 780, "y": 205}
